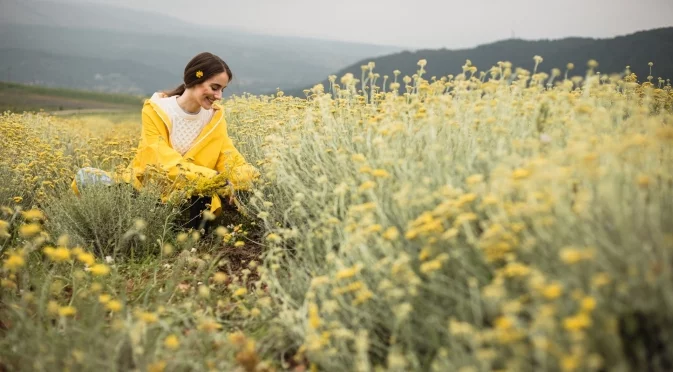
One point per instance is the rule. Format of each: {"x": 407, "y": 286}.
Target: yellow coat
{"x": 211, "y": 153}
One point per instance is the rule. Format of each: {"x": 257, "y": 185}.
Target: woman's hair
{"x": 208, "y": 65}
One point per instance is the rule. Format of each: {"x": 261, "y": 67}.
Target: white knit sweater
{"x": 185, "y": 126}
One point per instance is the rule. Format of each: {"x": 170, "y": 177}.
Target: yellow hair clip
{"x": 199, "y": 74}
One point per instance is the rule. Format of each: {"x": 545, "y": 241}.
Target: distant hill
{"x": 18, "y": 98}
{"x": 43, "y": 42}
{"x": 613, "y": 55}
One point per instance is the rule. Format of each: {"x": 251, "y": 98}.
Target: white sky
{"x": 417, "y": 23}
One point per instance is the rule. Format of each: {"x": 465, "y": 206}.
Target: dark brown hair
{"x": 208, "y": 64}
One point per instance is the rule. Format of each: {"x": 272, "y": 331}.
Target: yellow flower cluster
{"x": 490, "y": 200}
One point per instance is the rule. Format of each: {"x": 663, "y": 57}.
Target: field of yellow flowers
{"x": 505, "y": 220}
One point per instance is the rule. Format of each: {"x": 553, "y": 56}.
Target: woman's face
{"x": 211, "y": 90}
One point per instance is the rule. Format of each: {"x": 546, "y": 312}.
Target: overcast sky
{"x": 417, "y": 23}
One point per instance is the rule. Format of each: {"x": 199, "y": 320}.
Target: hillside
{"x": 108, "y": 42}
{"x": 613, "y": 55}
{"x": 18, "y": 98}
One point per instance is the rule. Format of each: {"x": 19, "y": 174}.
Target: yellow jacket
{"x": 211, "y": 153}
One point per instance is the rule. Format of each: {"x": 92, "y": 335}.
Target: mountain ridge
{"x": 613, "y": 54}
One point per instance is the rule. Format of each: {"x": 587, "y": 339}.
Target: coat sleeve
{"x": 155, "y": 150}
{"x": 231, "y": 162}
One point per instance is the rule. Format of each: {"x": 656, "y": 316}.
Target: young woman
{"x": 185, "y": 134}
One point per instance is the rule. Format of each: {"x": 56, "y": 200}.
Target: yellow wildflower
{"x": 577, "y": 323}
{"x": 552, "y": 291}
{"x": 424, "y": 254}
{"x": 221, "y": 231}
{"x": 474, "y": 179}
{"x": 600, "y": 280}
{"x": 313, "y": 316}
{"x": 32, "y": 215}
{"x": 571, "y": 255}
{"x": 504, "y": 323}
{"x": 209, "y": 325}
{"x": 29, "y": 230}
{"x": 515, "y": 269}
{"x": 240, "y": 292}
{"x": 52, "y": 307}
{"x": 520, "y": 174}
{"x": 219, "y": 277}
{"x": 391, "y": 233}
{"x": 4, "y": 229}
{"x": 100, "y": 270}
{"x": 358, "y": 158}
{"x": 14, "y": 262}
{"x": 237, "y": 338}
{"x": 204, "y": 291}
{"x": 274, "y": 238}
{"x": 86, "y": 258}
{"x": 450, "y": 234}
{"x": 59, "y": 254}
{"x": 104, "y": 298}
{"x": 430, "y": 266}
{"x": 348, "y": 272}
{"x": 158, "y": 366}
{"x": 570, "y": 363}
{"x": 65, "y": 311}
{"x": 367, "y": 185}
{"x": 147, "y": 317}
{"x": 182, "y": 237}
{"x": 380, "y": 173}
{"x": 588, "y": 304}
{"x": 365, "y": 169}
{"x": 172, "y": 342}
{"x": 362, "y": 296}
{"x": 114, "y": 306}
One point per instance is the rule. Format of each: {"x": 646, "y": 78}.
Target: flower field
{"x": 506, "y": 220}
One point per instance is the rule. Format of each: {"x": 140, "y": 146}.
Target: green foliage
{"x": 115, "y": 220}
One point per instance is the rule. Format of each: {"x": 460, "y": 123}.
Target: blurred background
{"x": 130, "y": 47}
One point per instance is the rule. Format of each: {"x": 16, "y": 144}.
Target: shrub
{"x": 115, "y": 220}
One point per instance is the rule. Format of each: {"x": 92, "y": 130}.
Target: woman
{"x": 184, "y": 133}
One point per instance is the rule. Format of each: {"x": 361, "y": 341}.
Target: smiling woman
{"x": 184, "y": 134}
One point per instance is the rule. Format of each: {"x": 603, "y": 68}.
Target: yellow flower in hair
{"x": 199, "y": 74}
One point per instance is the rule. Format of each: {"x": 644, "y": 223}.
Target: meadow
{"x": 496, "y": 220}
{"x": 19, "y": 98}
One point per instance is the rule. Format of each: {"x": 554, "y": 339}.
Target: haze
{"x": 419, "y": 24}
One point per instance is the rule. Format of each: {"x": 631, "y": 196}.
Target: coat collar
{"x": 218, "y": 115}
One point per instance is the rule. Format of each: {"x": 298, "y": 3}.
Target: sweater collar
{"x": 218, "y": 113}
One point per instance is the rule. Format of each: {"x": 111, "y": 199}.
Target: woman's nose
{"x": 218, "y": 95}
